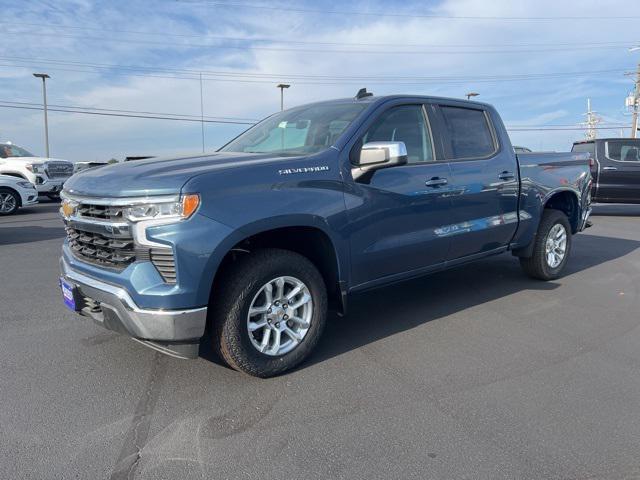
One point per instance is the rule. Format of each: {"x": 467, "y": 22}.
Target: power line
{"x": 253, "y": 77}
{"x": 119, "y": 110}
{"x": 323, "y": 51}
{"x": 619, "y": 43}
{"x": 126, "y": 115}
{"x": 407, "y": 15}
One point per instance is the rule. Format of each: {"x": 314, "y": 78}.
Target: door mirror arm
{"x": 377, "y": 155}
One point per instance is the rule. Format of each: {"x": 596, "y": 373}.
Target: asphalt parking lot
{"x": 478, "y": 372}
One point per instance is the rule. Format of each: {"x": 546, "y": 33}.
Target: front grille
{"x": 101, "y": 212}
{"x": 100, "y": 235}
{"x": 59, "y": 170}
{"x": 100, "y": 249}
{"x": 164, "y": 262}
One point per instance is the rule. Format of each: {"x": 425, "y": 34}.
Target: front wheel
{"x": 269, "y": 312}
{"x": 9, "y": 201}
{"x": 552, "y": 246}
{"x": 54, "y": 196}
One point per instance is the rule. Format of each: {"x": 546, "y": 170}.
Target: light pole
{"x": 282, "y": 86}
{"x": 44, "y": 77}
{"x": 471, "y": 94}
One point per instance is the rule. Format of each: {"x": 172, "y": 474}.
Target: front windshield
{"x": 7, "y": 151}
{"x": 299, "y": 131}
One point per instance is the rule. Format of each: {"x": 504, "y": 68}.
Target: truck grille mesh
{"x": 100, "y": 249}
{"x": 59, "y": 170}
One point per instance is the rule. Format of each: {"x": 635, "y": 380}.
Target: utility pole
{"x": 592, "y": 121}
{"x": 201, "y": 112}
{"x": 634, "y": 100}
{"x": 282, "y": 86}
{"x": 636, "y": 105}
{"x": 44, "y": 77}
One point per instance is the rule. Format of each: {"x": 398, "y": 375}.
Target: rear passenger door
{"x": 619, "y": 178}
{"x": 483, "y": 184}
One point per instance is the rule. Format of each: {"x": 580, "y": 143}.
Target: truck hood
{"x": 158, "y": 176}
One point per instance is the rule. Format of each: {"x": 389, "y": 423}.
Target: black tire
{"x": 537, "y": 265}
{"x": 53, "y": 196}
{"x": 230, "y": 307}
{"x": 8, "y": 194}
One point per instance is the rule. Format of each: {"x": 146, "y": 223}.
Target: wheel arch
{"x": 307, "y": 237}
{"x": 568, "y": 202}
{"x": 15, "y": 174}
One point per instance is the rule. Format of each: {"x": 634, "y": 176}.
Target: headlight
{"x": 33, "y": 168}
{"x": 26, "y": 185}
{"x": 179, "y": 210}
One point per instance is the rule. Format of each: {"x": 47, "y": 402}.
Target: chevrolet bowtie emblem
{"x": 67, "y": 209}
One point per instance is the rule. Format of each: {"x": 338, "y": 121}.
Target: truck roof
{"x": 383, "y": 98}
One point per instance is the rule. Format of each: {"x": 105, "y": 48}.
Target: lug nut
{"x": 277, "y": 324}
{"x": 277, "y": 303}
{"x": 286, "y": 317}
{"x": 285, "y": 306}
{"x": 269, "y": 311}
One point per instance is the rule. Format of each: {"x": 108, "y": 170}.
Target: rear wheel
{"x": 9, "y": 201}
{"x": 552, "y": 247}
{"x": 269, "y": 312}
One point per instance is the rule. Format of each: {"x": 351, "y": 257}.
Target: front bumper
{"x": 29, "y": 196}
{"x": 49, "y": 185}
{"x": 113, "y": 308}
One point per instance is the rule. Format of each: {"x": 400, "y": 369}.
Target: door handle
{"x": 506, "y": 176}
{"x": 608, "y": 169}
{"x": 436, "y": 182}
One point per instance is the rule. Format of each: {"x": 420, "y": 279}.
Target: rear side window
{"x": 623, "y": 150}
{"x": 468, "y": 131}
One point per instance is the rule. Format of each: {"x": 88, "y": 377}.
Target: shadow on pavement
{"x": 28, "y": 234}
{"x": 377, "y": 314}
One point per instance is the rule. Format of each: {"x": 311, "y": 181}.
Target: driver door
{"x": 396, "y": 215}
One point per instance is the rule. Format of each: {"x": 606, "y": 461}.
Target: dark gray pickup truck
{"x": 251, "y": 245}
{"x": 615, "y": 170}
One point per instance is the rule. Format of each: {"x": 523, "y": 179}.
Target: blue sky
{"x": 145, "y": 56}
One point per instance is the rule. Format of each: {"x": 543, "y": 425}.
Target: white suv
{"x": 47, "y": 174}
{"x": 15, "y": 193}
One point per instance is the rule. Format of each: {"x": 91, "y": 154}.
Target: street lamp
{"x": 282, "y": 86}
{"x": 471, "y": 94}
{"x": 44, "y": 77}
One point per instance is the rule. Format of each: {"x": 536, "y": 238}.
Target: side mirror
{"x": 377, "y": 155}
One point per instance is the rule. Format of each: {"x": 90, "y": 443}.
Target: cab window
{"x": 407, "y": 124}
{"x": 468, "y": 132}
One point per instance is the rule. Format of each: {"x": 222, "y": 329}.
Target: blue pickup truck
{"x": 251, "y": 245}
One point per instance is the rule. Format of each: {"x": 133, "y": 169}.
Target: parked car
{"x": 252, "y": 244}
{"x": 47, "y": 174}
{"x": 15, "y": 193}
{"x": 615, "y": 170}
{"x": 518, "y": 149}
